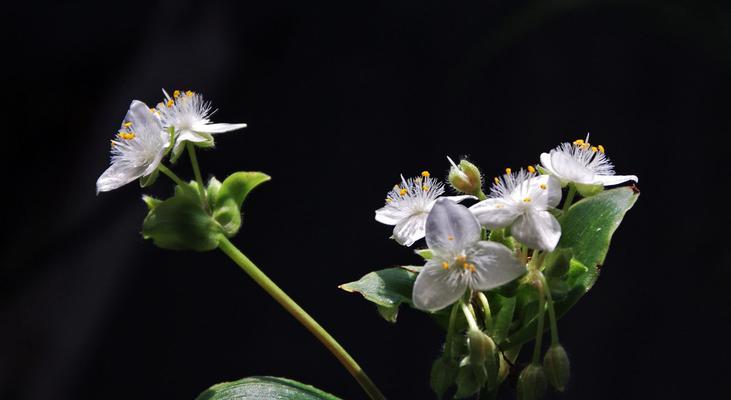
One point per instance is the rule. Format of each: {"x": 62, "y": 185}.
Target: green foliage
{"x": 183, "y": 222}
{"x": 443, "y": 375}
{"x": 264, "y": 387}
{"x": 388, "y": 288}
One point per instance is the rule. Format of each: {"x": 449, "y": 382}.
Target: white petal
{"x": 537, "y": 230}
{"x": 390, "y": 215}
{"x": 566, "y": 168}
{"x": 187, "y": 135}
{"x": 545, "y": 192}
{"x": 608, "y": 180}
{"x": 117, "y": 175}
{"x": 141, "y": 116}
{"x": 495, "y": 213}
{"x": 217, "y": 128}
{"x": 451, "y": 227}
{"x": 410, "y": 230}
{"x": 495, "y": 265}
{"x": 433, "y": 288}
{"x": 546, "y": 163}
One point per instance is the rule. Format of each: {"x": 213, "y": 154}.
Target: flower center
{"x": 460, "y": 262}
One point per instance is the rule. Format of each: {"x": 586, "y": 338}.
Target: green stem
{"x": 197, "y": 173}
{"x": 165, "y": 170}
{"x": 551, "y": 312}
{"x": 486, "y": 309}
{"x": 468, "y": 315}
{"x": 539, "y": 331}
{"x": 481, "y": 195}
{"x": 569, "y": 198}
{"x": 301, "y": 315}
{"x": 450, "y": 330}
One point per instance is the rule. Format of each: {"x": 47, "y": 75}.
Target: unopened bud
{"x": 465, "y": 177}
{"x": 556, "y": 364}
{"x": 558, "y": 263}
{"x": 443, "y": 375}
{"x": 480, "y": 367}
{"x": 532, "y": 383}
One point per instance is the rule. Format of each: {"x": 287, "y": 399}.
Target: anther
{"x": 189, "y": 93}
{"x": 579, "y": 142}
{"x": 170, "y": 103}
{"x": 601, "y": 149}
{"x": 526, "y": 200}
{"x": 461, "y": 259}
{"x": 450, "y": 237}
{"x": 497, "y": 181}
{"x": 425, "y": 188}
{"x": 445, "y": 265}
{"x": 543, "y": 186}
{"x": 176, "y": 94}
{"x": 403, "y": 192}
{"x": 127, "y": 124}
{"x": 508, "y": 171}
{"x": 531, "y": 169}
{"x": 425, "y": 174}
{"x": 594, "y": 149}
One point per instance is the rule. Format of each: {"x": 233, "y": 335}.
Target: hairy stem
{"x": 301, "y": 315}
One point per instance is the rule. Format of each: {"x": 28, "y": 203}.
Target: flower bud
{"x": 556, "y": 364}
{"x": 480, "y": 367}
{"x": 532, "y": 383}
{"x": 465, "y": 177}
{"x": 443, "y": 375}
{"x": 558, "y": 263}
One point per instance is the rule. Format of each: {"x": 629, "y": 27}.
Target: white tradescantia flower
{"x": 408, "y": 204}
{"x": 137, "y": 149}
{"x": 522, "y": 202}
{"x": 189, "y": 115}
{"x": 584, "y": 165}
{"x": 460, "y": 260}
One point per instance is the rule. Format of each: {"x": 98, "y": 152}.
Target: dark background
{"x": 340, "y": 98}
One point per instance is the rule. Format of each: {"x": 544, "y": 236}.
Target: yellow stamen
{"x": 450, "y": 237}
{"x": 153, "y": 110}
{"x": 526, "y": 200}
{"x": 508, "y": 171}
{"x": 170, "y": 103}
{"x": 601, "y": 149}
{"x": 176, "y": 94}
{"x": 594, "y": 149}
{"x": 189, "y": 93}
{"x": 445, "y": 265}
{"x": 403, "y": 192}
{"x": 461, "y": 259}
{"x": 579, "y": 142}
{"x": 531, "y": 169}
{"x": 127, "y": 124}
{"x": 425, "y": 174}
{"x": 499, "y": 206}
{"x": 543, "y": 186}
{"x": 388, "y": 200}
{"x": 126, "y": 135}
{"x": 425, "y": 188}
{"x": 472, "y": 267}
{"x": 497, "y": 181}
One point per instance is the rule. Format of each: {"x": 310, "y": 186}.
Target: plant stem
{"x": 301, "y": 315}
{"x": 450, "y": 330}
{"x": 539, "y": 330}
{"x": 569, "y": 198}
{"x": 486, "y": 309}
{"x": 197, "y": 173}
{"x": 481, "y": 195}
{"x": 468, "y": 315}
{"x": 551, "y": 312}
{"x": 167, "y": 171}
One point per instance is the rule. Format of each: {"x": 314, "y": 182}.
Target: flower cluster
{"x": 146, "y": 135}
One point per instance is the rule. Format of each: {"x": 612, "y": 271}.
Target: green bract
{"x": 264, "y": 387}
{"x": 183, "y": 222}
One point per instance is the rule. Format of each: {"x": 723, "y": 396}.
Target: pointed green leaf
{"x": 264, "y": 387}
{"x": 238, "y": 185}
{"x": 588, "y": 226}
{"x": 503, "y": 318}
{"x": 388, "y": 288}
{"x": 424, "y": 253}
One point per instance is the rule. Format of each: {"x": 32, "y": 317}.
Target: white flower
{"x": 189, "y": 115}
{"x": 408, "y": 204}
{"x": 521, "y": 201}
{"x": 460, "y": 260}
{"x": 581, "y": 163}
{"x": 137, "y": 150}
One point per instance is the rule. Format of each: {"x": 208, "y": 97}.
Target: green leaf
{"x": 150, "y": 201}
{"x": 264, "y": 387}
{"x": 503, "y": 318}
{"x": 443, "y": 374}
{"x": 237, "y": 186}
{"x": 424, "y": 253}
{"x": 181, "y": 223}
{"x": 388, "y": 288}
{"x": 588, "y": 226}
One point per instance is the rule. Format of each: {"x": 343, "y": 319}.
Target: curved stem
{"x": 450, "y": 330}
{"x": 486, "y": 309}
{"x": 551, "y": 312}
{"x": 197, "y": 173}
{"x": 569, "y": 198}
{"x": 468, "y": 315}
{"x": 539, "y": 330}
{"x": 301, "y": 315}
{"x": 170, "y": 174}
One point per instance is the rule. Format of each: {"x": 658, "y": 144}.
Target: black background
{"x": 340, "y": 98}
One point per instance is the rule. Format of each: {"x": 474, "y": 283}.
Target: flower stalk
{"x": 302, "y": 316}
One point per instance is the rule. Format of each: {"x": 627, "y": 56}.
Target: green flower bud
{"x": 443, "y": 375}
{"x": 532, "y": 383}
{"x": 480, "y": 367}
{"x": 556, "y": 364}
{"x": 558, "y": 263}
{"x": 465, "y": 177}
